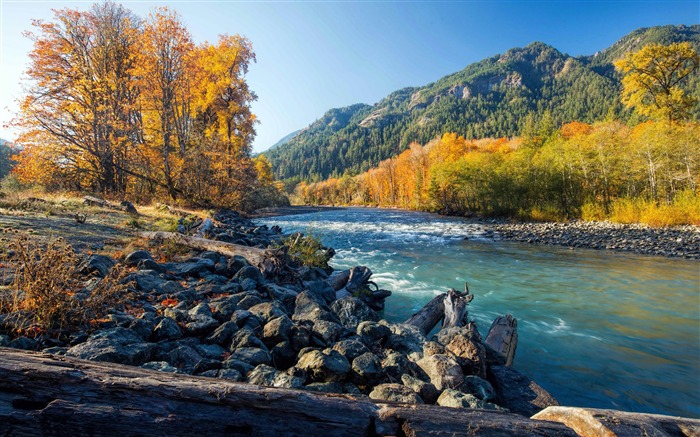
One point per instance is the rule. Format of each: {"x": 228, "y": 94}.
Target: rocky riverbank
{"x": 680, "y": 241}
{"x": 281, "y": 324}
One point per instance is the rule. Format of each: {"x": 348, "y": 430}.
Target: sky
{"x": 316, "y": 55}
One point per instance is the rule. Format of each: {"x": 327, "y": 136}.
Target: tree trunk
{"x": 429, "y": 315}
{"x": 450, "y": 307}
{"x": 503, "y": 337}
{"x": 41, "y": 394}
{"x": 456, "y": 308}
{"x": 254, "y": 255}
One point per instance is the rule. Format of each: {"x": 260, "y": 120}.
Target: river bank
{"x": 670, "y": 242}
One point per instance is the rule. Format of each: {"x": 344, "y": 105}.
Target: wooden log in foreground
{"x": 254, "y": 255}
{"x": 41, "y": 394}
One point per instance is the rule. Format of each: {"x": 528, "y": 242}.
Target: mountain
{"x": 284, "y": 140}
{"x": 490, "y": 98}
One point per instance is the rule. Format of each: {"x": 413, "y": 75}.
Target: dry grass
{"x": 47, "y": 294}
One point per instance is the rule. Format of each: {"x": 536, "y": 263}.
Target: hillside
{"x": 490, "y": 98}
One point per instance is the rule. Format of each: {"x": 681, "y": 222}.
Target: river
{"x": 596, "y": 329}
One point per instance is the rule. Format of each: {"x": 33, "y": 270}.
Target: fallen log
{"x": 96, "y": 201}
{"x": 42, "y": 394}
{"x": 450, "y": 307}
{"x": 338, "y": 279}
{"x": 254, "y": 255}
{"x": 611, "y": 423}
{"x": 503, "y": 337}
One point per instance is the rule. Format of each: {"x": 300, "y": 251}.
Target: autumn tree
{"x": 165, "y": 77}
{"x": 653, "y": 78}
{"x": 79, "y": 115}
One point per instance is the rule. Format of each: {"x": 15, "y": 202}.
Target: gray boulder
{"x": 267, "y": 311}
{"x": 117, "y": 345}
{"x": 351, "y": 348}
{"x": 457, "y": 399}
{"x": 395, "y": 364}
{"x": 328, "y": 331}
{"x": 427, "y": 391}
{"x": 326, "y": 366}
{"x": 184, "y": 358}
{"x": 99, "y": 265}
{"x": 245, "y": 338}
{"x": 325, "y": 387}
{"x": 251, "y": 355}
{"x": 134, "y": 258}
{"x": 367, "y": 368}
{"x": 161, "y": 366}
{"x": 223, "y": 334}
{"x": 271, "y": 377}
{"x": 351, "y": 311}
{"x": 405, "y": 339}
{"x": 518, "y": 393}
{"x": 395, "y": 393}
{"x": 310, "y": 307}
{"x": 471, "y": 355}
{"x": 167, "y": 329}
{"x": 479, "y": 387}
{"x": 372, "y": 332}
{"x": 231, "y": 374}
{"x": 443, "y": 370}
{"x": 277, "y": 330}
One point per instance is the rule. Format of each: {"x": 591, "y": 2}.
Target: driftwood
{"x": 450, "y": 307}
{"x": 254, "y": 255}
{"x": 124, "y": 206}
{"x": 41, "y": 394}
{"x": 611, "y": 423}
{"x": 338, "y": 279}
{"x": 503, "y": 337}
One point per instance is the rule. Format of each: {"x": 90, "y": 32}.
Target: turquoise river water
{"x": 596, "y": 329}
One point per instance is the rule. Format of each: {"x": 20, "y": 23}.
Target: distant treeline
{"x": 646, "y": 173}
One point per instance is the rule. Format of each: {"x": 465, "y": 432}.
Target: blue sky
{"x": 316, "y": 55}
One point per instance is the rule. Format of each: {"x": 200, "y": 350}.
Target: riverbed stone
{"x": 223, "y": 334}
{"x": 367, "y": 368}
{"x": 457, "y": 399}
{"x": 326, "y": 366}
{"x": 277, "y": 330}
{"x": 269, "y": 376}
{"x": 426, "y": 390}
{"x": 267, "y": 311}
{"x": 373, "y": 333}
{"x": 351, "y": 311}
{"x": 328, "y": 331}
{"x": 309, "y": 307}
{"x": 252, "y": 356}
{"x": 117, "y": 345}
{"x": 167, "y": 329}
{"x": 479, "y": 387}
{"x": 443, "y": 370}
{"x": 470, "y": 354}
{"x": 351, "y": 348}
{"x": 395, "y": 393}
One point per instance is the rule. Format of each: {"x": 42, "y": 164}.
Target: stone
{"x": 351, "y": 348}
{"x": 328, "y": 331}
{"x": 456, "y": 399}
{"x": 146, "y": 280}
{"x": 300, "y": 337}
{"x": 251, "y": 355}
{"x": 24, "y": 343}
{"x": 249, "y": 272}
{"x": 249, "y": 302}
{"x": 241, "y": 367}
{"x": 99, "y": 265}
{"x": 479, "y": 387}
{"x": 223, "y": 334}
{"x": 325, "y": 387}
{"x": 277, "y": 330}
{"x": 432, "y": 348}
{"x": 161, "y": 366}
{"x": 240, "y": 316}
{"x": 117, "y": 345}
{"x": 167, "y": 329}
{"x": 144, "y": 328}
{"x": 426, "y": 390}
{"x": 367, "y": 368}
{"x": 518, "y": 393}
{"x": 471, "y": 355}
{"x": 395, "y": 393}
{"x": 283, "y": 355}
{"x": 267, "y": 311}
{"x": 211, "y": 351}
{"x": 373, "y": 333}
{"x": 405, "y": 339}
{"x": 231, "y": 374}
{"x": 395, "y": 364}
{"x": 443, "y": 370}
{"x": 134, "y": 258}
{"x": 196, "y": 267}
{"x": 246, "y": 338}
{"x": 271, "y": 377}
{"x": 351, "y": 311}
{"x": 309, "y": 307}
{"x": 326, "y": 366}
{"x": 184, "y": 358}
{"x": 321, "y": 289}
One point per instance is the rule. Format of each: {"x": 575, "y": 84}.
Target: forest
{"x": 646, "y": 172}
{"x": 131, "y": 107}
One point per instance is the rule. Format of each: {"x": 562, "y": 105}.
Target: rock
{"x": 322, "y": 290}
{"x": 271, "y": 377}
{"x": 351, "y": 348}
{"x": 24, "y": 343}
{"x": 283, "y": 355}
{"x": 283, "y": 294}
{"x": 479, "y": 387}
{"x": 5, "y": 340}
{"x": 146, "y": 280}
{"x": 223, "y": 308}
{"x": 251, "y": 355}
{"x": 471, "y": 355}
{"x": 184, "y": 358}
{"x": 246, "y": 338}
{"x": 249, "y": 272}
{"x": 456, "y": 399}
{"x": 149, "y": 264}
{"x": 99, "y": 265}
{"x": 395, "y": 364}
{"x": 134, "y": 258}
{"x": 128, "y": 207}
{"x": 223, "y": 334}
{"x": 267, "y": 311}
{"x": 249, "y": 302}
{"x": 309, "y": 307}
{"x": 518, "y": 393}
{"x": 326, "y": 366}
{"x": 427, "y": 391}
{"x": 325, "y": 387}
{"x": 117, "y": 345}
{"x": 211, "y": 351}
{"x": 167, "y": 329}
{"x": 144, "y": 328}
{"x": 367, "y": 368}
{"x": 328, "y": 331}
{"x": 277, "y": 330}
{"x": 395, "y": 393}
{"x": 443, "y": 370}
{"x": 241, "y": 367}
{"x": 432, "y": 348}
{"x": 373, "y": 333}
{"x": 239, "y": 317}
{"x": 301, "y": 337}
{"x": 161, "y": 366}
{"x": 231, "y": 374}
{"x": 405, "y": 339}
{"x": 248, "y": 284}
{"x": 351, "y": 311}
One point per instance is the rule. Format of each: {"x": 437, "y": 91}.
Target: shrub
{"x": 306, "y": 250}
{"x": 48, "y": 294}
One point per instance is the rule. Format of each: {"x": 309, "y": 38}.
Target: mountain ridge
{"x": 494, "y": 97}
